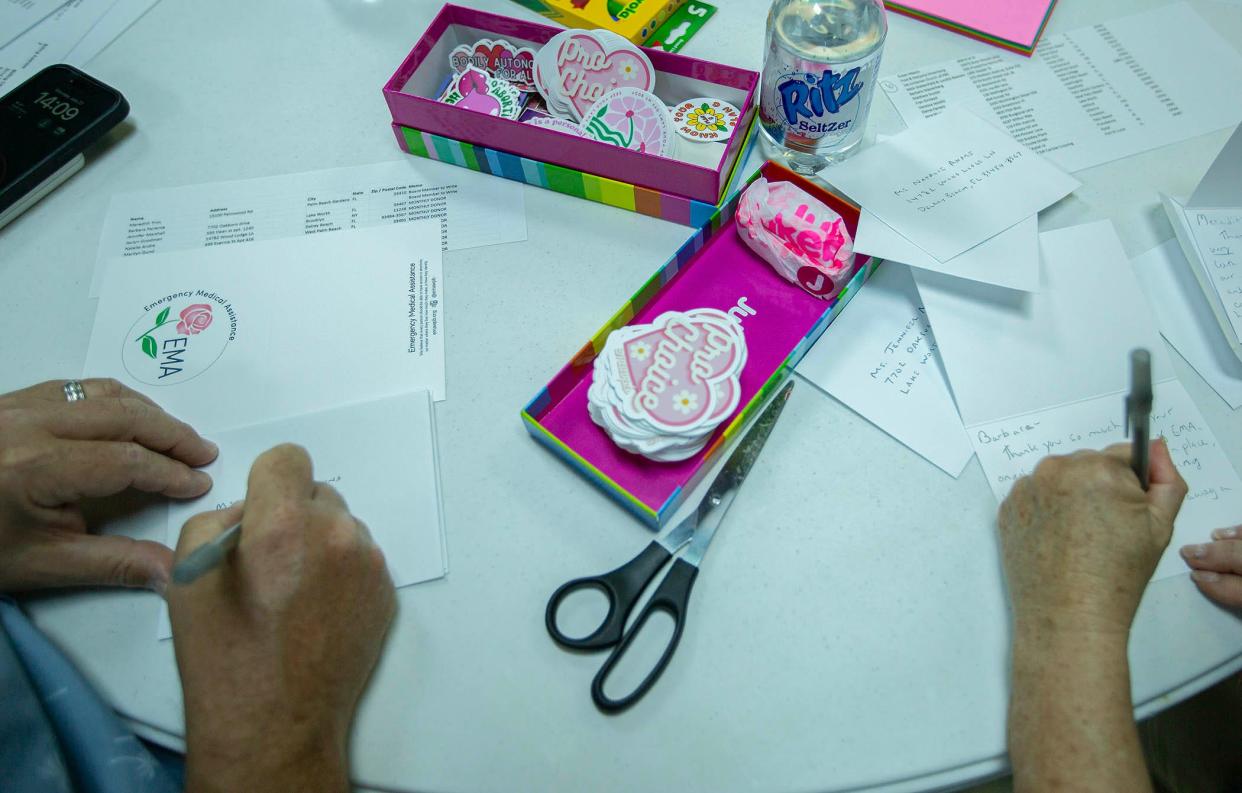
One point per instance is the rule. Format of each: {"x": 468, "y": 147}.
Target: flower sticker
{"x": 705, "y": 120}
{"x": 640, "y": 351}
{"x": 685, "y": 402}
{"x": 194, "y": 319}
{"x": 631, "y": 119}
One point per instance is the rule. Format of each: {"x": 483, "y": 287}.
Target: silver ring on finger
{"x": 74, "y": 391}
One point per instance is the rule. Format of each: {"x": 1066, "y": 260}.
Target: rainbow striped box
{"x": 713, "y": 269}
{"x": 646, "y": 183}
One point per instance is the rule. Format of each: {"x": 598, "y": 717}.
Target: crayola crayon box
{"x": 634, "y": 19}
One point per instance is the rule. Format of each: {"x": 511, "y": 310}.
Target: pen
{"x": 206, "y": 556}
{"x": 1138, "y": 413}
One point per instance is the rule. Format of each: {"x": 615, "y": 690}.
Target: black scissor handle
{"x": 622, "y": 587}
{"x": 671, "y": 597}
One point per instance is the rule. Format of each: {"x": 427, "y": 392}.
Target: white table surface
{"x": 850, "y": 628}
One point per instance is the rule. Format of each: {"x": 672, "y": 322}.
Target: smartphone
{"x": 46, "y": 124}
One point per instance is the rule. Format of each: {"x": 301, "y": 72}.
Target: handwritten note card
{"x": 1218, "y": 236}
{"x": 880, "y": 358}
{"x": 1011, "y": 448}
{"x": 1211, "y": 240}
{"x": 950, "y": 183}
{"x": 1039, "y": 374}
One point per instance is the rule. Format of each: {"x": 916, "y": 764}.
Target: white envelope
{"x": 1010, "y": 259}
{"x": 381, "y": 456}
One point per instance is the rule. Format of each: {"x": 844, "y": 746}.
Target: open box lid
{"x": 714, "y": 269}
{"x": 411, "y": 97}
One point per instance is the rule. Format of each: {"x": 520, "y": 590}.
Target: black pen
{"x": 1138, "y": 414}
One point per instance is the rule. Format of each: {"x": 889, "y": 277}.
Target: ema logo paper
{"x": 178, "y": 337}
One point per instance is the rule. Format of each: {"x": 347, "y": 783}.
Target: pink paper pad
{"x": 725, "y": 270}
{"x": 1018, "y": 21}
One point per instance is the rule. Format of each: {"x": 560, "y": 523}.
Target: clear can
{"x": 819, "y": 75}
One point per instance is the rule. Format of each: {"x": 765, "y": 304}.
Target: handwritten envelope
{"x": 880, "y": 359}
{"x": 950, "y": 183}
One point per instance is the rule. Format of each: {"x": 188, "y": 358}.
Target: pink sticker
{"x": 587, "y": 67}
{"x": 477, "y": 90}
{"x": 631, "y": 119}
{"x": 498, "y": 58}
{"x": 679, "y": 371}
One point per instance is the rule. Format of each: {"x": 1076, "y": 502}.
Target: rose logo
{"x": 176, "y": 340}
{"x": 194, "y": 319}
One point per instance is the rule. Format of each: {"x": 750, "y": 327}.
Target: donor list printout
{"x": 471, "y": 209}
{"x": 228, "y": 337}
{"x": 1094, "y": 94}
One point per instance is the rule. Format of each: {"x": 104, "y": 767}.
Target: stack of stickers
{"x": 660, "y": 390}
{"x": 591, "y": 83}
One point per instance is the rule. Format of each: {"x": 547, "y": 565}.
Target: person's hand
{"x": 55, "y": 454}
{"x": 1217, "y": 566}
{"x": 1080, "y": 538}
{"x": 276, "y": 645}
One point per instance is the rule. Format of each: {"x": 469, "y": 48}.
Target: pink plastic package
{"x": 804, "y": 240}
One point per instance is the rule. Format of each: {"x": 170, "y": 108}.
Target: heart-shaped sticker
{"x": 588, "y": 65}
{"x": 678, "y": 370}
{"x": 545, "y": 74}
{"x": 498, "y": 58}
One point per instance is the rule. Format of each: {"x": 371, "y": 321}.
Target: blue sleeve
{"x": 61, "y": 736}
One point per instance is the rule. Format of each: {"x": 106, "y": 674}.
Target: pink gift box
{"x": 411, "y": 96}
{"x": 714, "y": 269}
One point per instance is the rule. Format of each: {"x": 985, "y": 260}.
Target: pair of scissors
{"x": 624, "y": 586}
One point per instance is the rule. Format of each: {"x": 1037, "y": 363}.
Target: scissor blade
{"x": 720, "y": 494}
